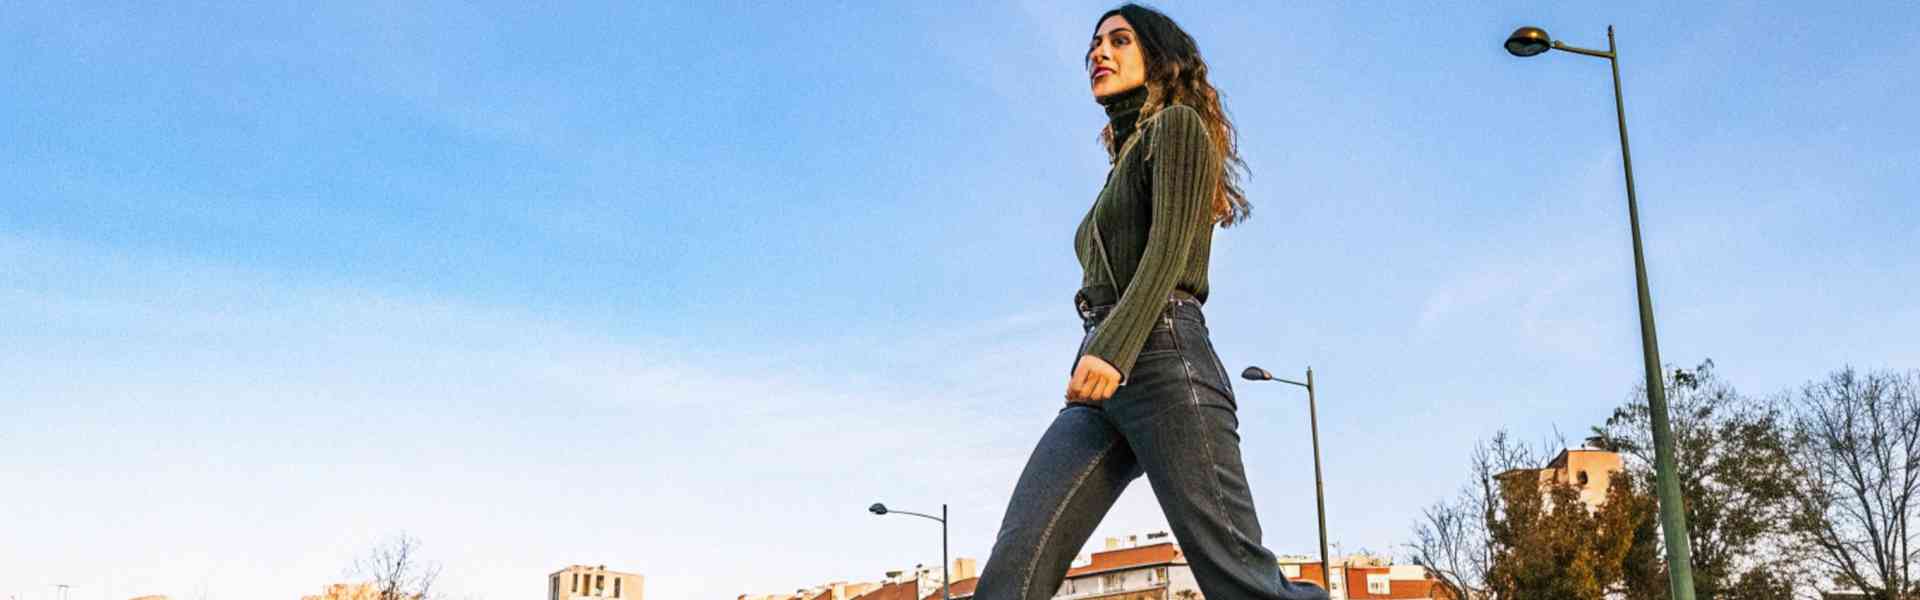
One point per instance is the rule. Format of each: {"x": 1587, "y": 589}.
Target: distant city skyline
{"x": 682, "y": 288}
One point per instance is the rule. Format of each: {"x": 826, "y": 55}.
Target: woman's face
{"x": 1114, "y": 61}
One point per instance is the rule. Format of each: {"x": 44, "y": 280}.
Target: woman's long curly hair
{"x": 1177, "y": 75}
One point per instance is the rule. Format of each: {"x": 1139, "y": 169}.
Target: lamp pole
{"x": 946, "y": 587}
{"x": 1532, "y": 41}
{"x": 1319, "y": 485}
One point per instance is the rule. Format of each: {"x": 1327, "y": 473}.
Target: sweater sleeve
{"x": 1184, "y": 174}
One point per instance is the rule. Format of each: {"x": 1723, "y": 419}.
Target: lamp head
{"x": 877, "y": 508}
{"x": 1256, "y": 374}
{"x": 1528, "y": 41}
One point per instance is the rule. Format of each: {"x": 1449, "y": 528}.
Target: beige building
{"x": 1586, "y": 469}
{"x": 580, "y": 582}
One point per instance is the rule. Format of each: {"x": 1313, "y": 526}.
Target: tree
{"x": 396, "y": 571}
{"x": 1633, "y": 510}
{"x": 1856, "y": 442}
{"x": 1735, "y": 471}
{"x": 1450, "y": 539}
{"x": 1549, "y": 544}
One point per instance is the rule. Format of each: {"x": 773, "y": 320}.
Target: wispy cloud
{"x": 263, "y": 372}
{"x": 1552, "y": 302}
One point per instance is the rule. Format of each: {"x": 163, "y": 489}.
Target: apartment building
{"x": 1367, "y": 578}
{"x": 1144, "y": 567}
{"x": 1137, "y": 567}
{"x": 896, "y": 585}
{"x": 581, "y": 582}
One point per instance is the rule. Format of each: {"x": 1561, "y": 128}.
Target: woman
{"x": 1147, "y": 394}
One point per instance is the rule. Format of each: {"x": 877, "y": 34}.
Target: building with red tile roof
{"x": 961, "y": 589}
{"x": 1368, "y": 578}
{"x": 898, "y": 585}
{"x": 1126, "y": 570}
{"x": 1149, "y": 569}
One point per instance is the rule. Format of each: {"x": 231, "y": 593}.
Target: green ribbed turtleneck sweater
{"x": 1155, "y": 215}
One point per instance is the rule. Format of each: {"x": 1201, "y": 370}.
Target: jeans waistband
{"x": 1093, "y": 303}
{"x": 1103, "y": 295}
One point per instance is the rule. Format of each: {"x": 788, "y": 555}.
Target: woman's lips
{"x": 1101, "y": 71}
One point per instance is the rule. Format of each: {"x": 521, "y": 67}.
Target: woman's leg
{"x": 1073, "y": 476}
{"x": 1186, "y": 436}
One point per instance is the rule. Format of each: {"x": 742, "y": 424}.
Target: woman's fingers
{"x": 1107, "y": 386}
{"x": 1085, "y": 381}
{"x": 1093, "y": 380}
{"x": 1105, "y": 378}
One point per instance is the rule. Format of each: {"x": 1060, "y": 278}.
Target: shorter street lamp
{"x": 946, "y": 587}
{"x": 1319, "y": 488}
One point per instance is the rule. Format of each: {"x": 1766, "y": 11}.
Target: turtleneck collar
{"x": 1123, "y": 111}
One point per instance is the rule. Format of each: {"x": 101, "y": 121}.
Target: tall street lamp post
{"x": 1319, "y": 488}
{"x": 946, "y": 587}
{"x": 1532, "y": 41}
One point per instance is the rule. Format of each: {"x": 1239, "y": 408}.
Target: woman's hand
{"x": 1093, "y": 380}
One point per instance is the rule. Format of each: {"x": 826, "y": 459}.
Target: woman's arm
{"x": 1185, "y": 174}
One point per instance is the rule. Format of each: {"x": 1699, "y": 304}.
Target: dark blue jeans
{"x": 1174, "y": 421}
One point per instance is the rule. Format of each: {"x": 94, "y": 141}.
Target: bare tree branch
{"x": 1857, "y": 440}
{"x": 397, "y": 572}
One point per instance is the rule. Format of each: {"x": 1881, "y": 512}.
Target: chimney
{"x": 965, "y": 568}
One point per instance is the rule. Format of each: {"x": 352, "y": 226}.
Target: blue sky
{"x": 682, "y": 289}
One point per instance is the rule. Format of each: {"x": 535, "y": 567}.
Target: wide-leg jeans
{"x": 1175, "y": 422}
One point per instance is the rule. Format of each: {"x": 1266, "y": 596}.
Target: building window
{"x": 1583, "y": 479}
{"x": 1162, "y": 572}
{"x": 1116, "y": 581}
{"x": 554, "y": 592}
{"x": 1377, "y": 584}
{"x": 576, "y": 583}
{"x": 616, "y": 587}
{"x": 599, "y": 584}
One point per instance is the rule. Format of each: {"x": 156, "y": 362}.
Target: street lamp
{"x": 1319, "y": 488}
{"x": 1532, "y": 41}
{"x": 946, "y": 587}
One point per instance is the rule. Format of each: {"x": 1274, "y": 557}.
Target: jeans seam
{"x": 1206, "y": 445}
{"x": 1046, "y": 534}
